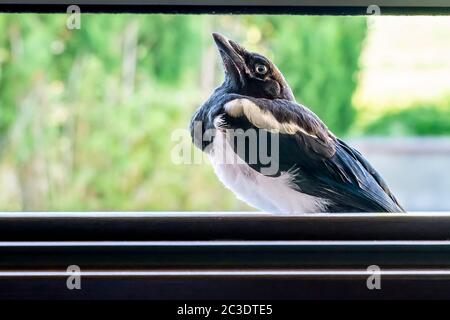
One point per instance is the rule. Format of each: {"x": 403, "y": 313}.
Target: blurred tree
{"x": 75, "y": 140}
{"x": 172, "y": 46}
{"x": 418, "y": 120}
{"x": 21, "y": 64}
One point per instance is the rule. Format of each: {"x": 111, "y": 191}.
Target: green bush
{"x": 416, "y": 120}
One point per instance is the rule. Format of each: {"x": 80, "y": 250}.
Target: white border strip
{"x": 218, "y": 243}
{"x": 220, "y": 214}
{"x": 227, "y": 273}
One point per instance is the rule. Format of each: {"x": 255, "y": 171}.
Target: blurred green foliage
{"x": 417, "y": 120}
{"x": 86, "y": 116}
{"x": 322, "y": 63}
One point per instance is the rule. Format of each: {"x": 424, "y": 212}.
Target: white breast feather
{"x": 274, "y": 195}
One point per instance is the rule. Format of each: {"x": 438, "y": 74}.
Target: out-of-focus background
{"x": 86, "y": 115}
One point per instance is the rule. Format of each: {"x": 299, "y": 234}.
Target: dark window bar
{"x": 328, "y": 7}
{"x": 224, "y": 255}
{"x": 178, "y": 226}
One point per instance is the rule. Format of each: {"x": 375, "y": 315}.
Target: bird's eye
{"x": 261, "y": 69}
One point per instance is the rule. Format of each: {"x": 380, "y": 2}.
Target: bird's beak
{"x": 232, "y": 57}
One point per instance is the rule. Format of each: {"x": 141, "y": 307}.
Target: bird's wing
{"x": 285, "y": 117}
{"x": 371, "y": 170}
{"x": 326, "y": 166}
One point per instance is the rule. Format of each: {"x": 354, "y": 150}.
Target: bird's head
{"x": 249, "y": 73}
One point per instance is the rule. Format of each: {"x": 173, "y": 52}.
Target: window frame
{"x": 222, "y": 255}
{"x": 319, "y": 7}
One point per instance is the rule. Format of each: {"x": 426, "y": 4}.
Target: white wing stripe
{"x": 261, "y": 118}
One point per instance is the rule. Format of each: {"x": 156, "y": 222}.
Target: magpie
{"x": 315, "y": 170}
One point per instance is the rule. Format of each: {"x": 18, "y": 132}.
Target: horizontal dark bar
{"x": 238, "y": 288}
{"x": 425, "y": 8}
{"x": 220, "y": 226}
{"x": 225, "y": 254}
{"x": 244, "y": 3}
